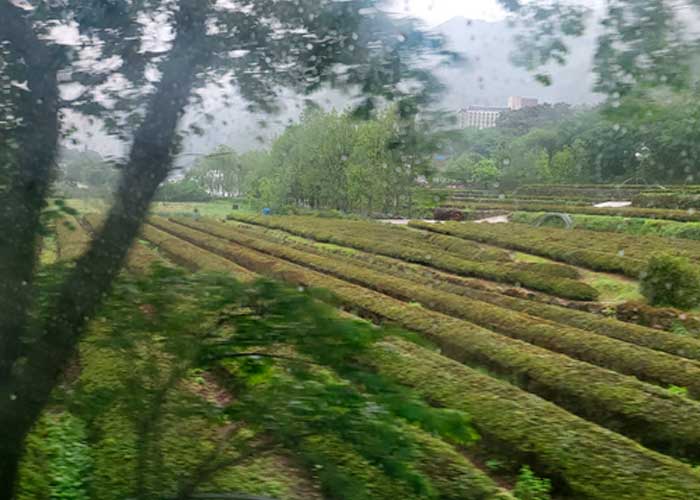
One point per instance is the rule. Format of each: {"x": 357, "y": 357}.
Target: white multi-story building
{"x": 478, "y": 116}
{"x": 487, "y": 116}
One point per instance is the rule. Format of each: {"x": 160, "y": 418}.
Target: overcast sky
{"x": 435, "y": 12}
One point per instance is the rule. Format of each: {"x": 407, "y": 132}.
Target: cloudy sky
{"x": 435, "y": 12}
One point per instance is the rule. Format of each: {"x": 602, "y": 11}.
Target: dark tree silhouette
{"x": 135, "y": 67}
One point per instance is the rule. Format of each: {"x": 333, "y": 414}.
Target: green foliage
{"x": 221, "y": 173}
{"x": 333, "y": 161}
{"x": 671, "y": 281}
{"x": 554, "y": 243}
{"x": 398, "y": 242}
{"x": 71, "y": 464}
{"x": 293, "y": 366}
{"x": 472, "y": 171}
{"x": 535, "y": 206}
{"x": 71, "y": 238}
{"x": 183, "y": 190}
{"x": 599, "y": 464}
{"x": 647, "y": 139}
{"x": 57, "y": 462}
{"x": 599, "y": 394}
{"x": 521, "y": 121}
{"x": 621, "y": 224}
{"x": 676, "y": 201}
{"x": 531, "y": 487}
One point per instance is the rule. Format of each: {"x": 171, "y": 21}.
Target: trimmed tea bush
{"x": 649, "y": 213}
{"x": 593, "y": 462}
{"x": 557, "y": 244}
{"x": 629, "y": 225}
{"x": 671, "y": 281}
{"x": 660, "y": 318}
{"x": 410, "y": 246}
{"x": 676, "y": 201}
{"x": 644, "y": 411}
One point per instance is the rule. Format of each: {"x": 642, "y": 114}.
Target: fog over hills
{"x": 488, "y": 77}
{"x": 485, "y": 77}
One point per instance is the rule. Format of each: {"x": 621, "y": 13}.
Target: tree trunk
{"x": 29, "y": 173}
{"x": 82, "y": 292}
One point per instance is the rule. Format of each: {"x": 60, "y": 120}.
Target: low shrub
{"x": 140, "y": 258}
{"x": 190, "y": 256}
{"x": 581, "y": 344}
{"x": 599, "y": 191}
{"x": 635, "y": 334}
{"x": 671, "y": 281}
{"x": 665, "y": 318}
{"x": 71, "y": 238}
{"x": 531, "y": 487}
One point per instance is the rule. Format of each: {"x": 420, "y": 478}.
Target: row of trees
{"x": 329, "y": 160}
{"x": 84, "y": 174}
{"x": 638, "y": 140}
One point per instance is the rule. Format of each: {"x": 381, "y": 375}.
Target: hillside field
{"x": 515, "y": 325}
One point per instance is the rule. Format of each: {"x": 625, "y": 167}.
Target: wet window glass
{"x": 349, "y": 249}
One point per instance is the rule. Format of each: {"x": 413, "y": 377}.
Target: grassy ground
{"x": 88, "y": 205}
{"x": 612, "y": 287}
{"x": 218, "y": 208}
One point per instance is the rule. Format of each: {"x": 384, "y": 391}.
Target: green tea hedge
{"x": 593, "y": 462}
{"x": 192, "y": 257}
{"x": 672, "y": 343}
{"x": 649, "y": 413}
{"x": 407, "y": 250}
{"x": 71, "y": 238}
{"x": 562, "y": 245}
{"x": 675, "y": 201}
{"x": 649, "y": 213}
{"x": 604, "y": 351}
{"x": 140, "y": 258}
{"x": 659, "y": 318}
{"x": 618, "y": 224}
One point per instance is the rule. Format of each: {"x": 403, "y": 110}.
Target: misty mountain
{"x": 487, "y": 76}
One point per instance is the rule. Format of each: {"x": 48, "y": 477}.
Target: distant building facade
{"x": 516, "y": 102}
{"x": 479, "y": 116}
{"x": 487, "y": 116}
